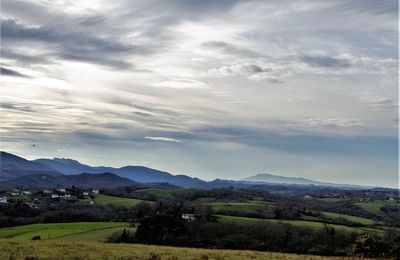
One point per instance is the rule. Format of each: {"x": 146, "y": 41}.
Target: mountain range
{"x": 15, "y": 170}
{"x": 264, "y": 177}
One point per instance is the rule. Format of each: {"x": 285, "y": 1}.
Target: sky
{"x": 212, "y": 89}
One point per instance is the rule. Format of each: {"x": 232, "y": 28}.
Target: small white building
{"x": 14, "y": 193}
{"x": 3, "y": 200}
{"x": 26, "y": 192}
{"x": 307, "y": 196}
{"x": 95, "y": 191}
{"x": 91, "y": 202}
{"x": 47, "y": 191}
{"x": 85, "y": 193}
{"x": 61, "y": 190}
{"x": 55, "y": 196}
{"x": 188, "y": 217}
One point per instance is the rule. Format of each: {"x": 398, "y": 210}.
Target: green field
{"x": 82, "y": 231}
{"x": 298, "y": 223}
{"x": 106, "y": 199}
{"x": 18, "y": 198}
{"x": 165, "y": 193}
{"x": 238, "y": 206}
{"x": 332, "y": 200}
{"x": 374, "y": 207}
{"x": 28, "y": 249}
{"x": 363, "y": 221}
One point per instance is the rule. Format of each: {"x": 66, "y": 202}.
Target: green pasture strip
{"x": 299, "y": 223}
{"x": 107, "y": 199}
{"x": 54, "y": 230}
{"x": 364, "y": 221}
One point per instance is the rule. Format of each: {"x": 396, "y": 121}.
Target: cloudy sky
{"x": 213, "y": 89}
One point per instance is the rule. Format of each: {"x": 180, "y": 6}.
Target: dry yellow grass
{"x": 28, "y": 249}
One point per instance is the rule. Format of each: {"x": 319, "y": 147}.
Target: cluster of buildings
{"x": 33, "y": 196}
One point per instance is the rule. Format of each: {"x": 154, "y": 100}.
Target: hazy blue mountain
{"x": 69, "y": 166}
{"x": 136, "y": 173}
{"x": 281, "y": 180}
{"x": 84, "y": 180}
{"x": 12, "y": 166}
{"x": 269, "y": 178}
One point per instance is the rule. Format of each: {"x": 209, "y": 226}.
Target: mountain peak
{"x": 270, "y": 178}
{"x": 66, "y": 160}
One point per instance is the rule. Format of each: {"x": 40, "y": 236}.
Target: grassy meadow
{"x": 28, "y": 249}
{"x": 106, "y": 199}
{"x": 165, "y": 193}
{"x": 299, "y": 223}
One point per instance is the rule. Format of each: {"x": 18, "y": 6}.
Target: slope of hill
{"x": 12, "y": 166}
{"x": 70, "y": 166}
{"x": 136, "y": 173}
{"x": 84, "y": 180}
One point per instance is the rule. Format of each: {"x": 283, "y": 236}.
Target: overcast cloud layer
{"x": 213, "y": 89}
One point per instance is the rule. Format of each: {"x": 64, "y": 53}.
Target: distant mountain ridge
{"x": 136, "y": 173}
{"x": 83, "y": 180}
{"x": 270, "y": 178}
{"x": 12, "y": 166}
{"x": 58, "y": 171}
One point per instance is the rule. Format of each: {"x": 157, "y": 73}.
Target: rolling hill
{"x": 84, "y": 180}
{"x": 135, "y": 173}
{"x": 12, "y": 166}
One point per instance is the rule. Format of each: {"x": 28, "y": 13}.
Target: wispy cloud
{"x": 162, "y": 139}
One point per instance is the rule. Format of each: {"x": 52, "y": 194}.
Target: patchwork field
{"x": 28, "y": 249}
{"x": 354, "y": 219}
{"x": 79, "y": 231}
{"x": 165, "y": 193}
{"x": 299, "y": 223}
{"x": 374, "y": 207}
{"x": 238, "y": 206}
{"x": 106, "y": 199}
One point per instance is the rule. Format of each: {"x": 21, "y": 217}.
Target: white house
{"x": 189, "y": 217}
{"x": 55, "y": 196}
{"x": 3, "y": 200}
{"x": 85, "y": 193}
{"x": 95, "y": 191}
{"x": 61, "y": 190}
{"x": 26, "y": 192}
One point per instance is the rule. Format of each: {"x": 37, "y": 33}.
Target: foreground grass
{"x": 20, "y": 249}
{"x": 82, "y": 231}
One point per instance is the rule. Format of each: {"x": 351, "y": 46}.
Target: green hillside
{"x": 80, "y": 231}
